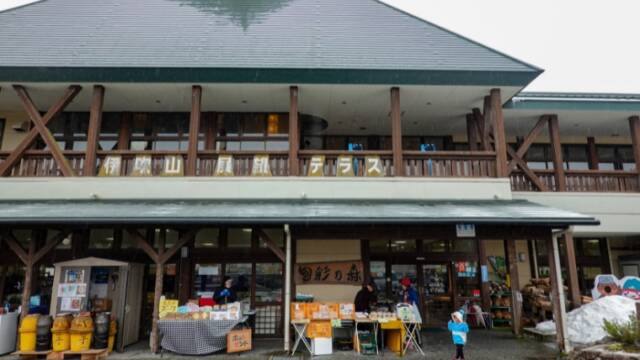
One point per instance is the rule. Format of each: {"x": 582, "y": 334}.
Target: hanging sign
{"x": 340, "y": 272}
{"x": 465, "y": 230}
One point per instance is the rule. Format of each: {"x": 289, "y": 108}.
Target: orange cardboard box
{"x": 312, "y": 310}
{"x": 299, "y": 311}
{"x": 319, "y": 329}
{"x": 334, "y": 310}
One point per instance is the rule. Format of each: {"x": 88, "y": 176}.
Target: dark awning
{"x": 512, "y": 212}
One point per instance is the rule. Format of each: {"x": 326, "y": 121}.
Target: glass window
{"x": 467, "y": 278}
{"x": 277, "y": 235}
{"x": 171, "y": 238}
{"x": 207, "y": 238}
{"x": 464, "y": 245}
{"x": 253, "y": 125}
{"x": 277, "y": 145}
{"x": 576, "y": 157}
{"x": 206, "y": 279}
{"x": 229, "y": 125}
{"x": 398, "y": 272}
{"x": 277, "y": 124}
{"x": 436, "y": 279}
{"x": 241, "y": 274}
{"x": 23, "y": 237}
{"x": 378, "y": 273}
{"x": 239, "y": 238}
{"x": 606, "y": 157}
{"x": 434, "y": 245}
{"x": 128, "y": 241}
{"x": 65, "y": 244}
{"x": 269, "y": 282}
{"x": 101, "y": 239}
{"x": 538, "y": 157}
{"x": 590, "y": 247}
{"x": 403, "y": 245}
{"x": 378, "y": 246}
{"x": 252, "y": 145}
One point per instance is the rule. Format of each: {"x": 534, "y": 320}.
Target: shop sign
{"x": 316, "y": 166}
{"x": 173, "y": 166}
{"x": 110, "y": 166}
{"x": 465, "y": 230}
{"x": 261, "y": 166}
{"x": 344, "y": 166}
{"x": 373, "y": 166}
{"x": 224, "y": 166}
{"x": 340, "y": 272}
{"x": 141, "y": 166}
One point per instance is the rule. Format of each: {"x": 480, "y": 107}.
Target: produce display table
{"x": 195, "y": 337}
{"x": 300, "y": 327}
{"x": 374, "y": 329}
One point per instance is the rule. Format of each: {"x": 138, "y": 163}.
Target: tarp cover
{"x": 286, "y": 211}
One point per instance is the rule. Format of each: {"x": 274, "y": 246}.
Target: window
{"x": 589, "y": 247}
{"x": 206, "y": 279}
{"x": 276, "y": 235}
{"x": 109, "y": 131}
{"x": 252, "y": 131}
{"x": 378, "y": 246}
{"x": 239, "y": 238}
{"x": 378, "y": 273}
{"x": 69, "y": 130}
{"x": 400, "y": 271}
{"x": 434, "y": 246}
{"x": 575, "y": 157}
{"x": 539, "y": 157}
{"x": 101, "y": 239}
{"x": 615, "y": 157}
{"x": 241, "y": 273}
{"x": 404, "y": 246}
{"x": 128, "y": 241}
{"x": 171, "y": 238}
{"x": 207, "y": 238}
{"x": 464, "y": 245}
{"x": 268, "y": 282}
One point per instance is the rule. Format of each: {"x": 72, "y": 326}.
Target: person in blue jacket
{"x": 459, "y": 330}
{"x": 408, "y": 293}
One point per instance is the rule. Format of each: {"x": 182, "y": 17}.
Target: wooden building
{"x": 211, "y": 139}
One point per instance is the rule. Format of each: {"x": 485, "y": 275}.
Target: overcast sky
{"x": 583, "y": 45}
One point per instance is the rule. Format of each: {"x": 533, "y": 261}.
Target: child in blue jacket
{"x": 459, "y": 330}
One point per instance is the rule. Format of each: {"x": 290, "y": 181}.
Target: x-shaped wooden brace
{"x": 271, "y": 244}
{"x": 161, "y": 257}
{"x": 517, "y": 156}
{"x": 28, "y": 258}
{"x": 40, "y": 123}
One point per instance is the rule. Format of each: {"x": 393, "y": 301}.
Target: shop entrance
{"x": 437, "y": 293}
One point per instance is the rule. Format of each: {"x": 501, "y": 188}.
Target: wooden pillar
{"x": 396, "y": 132}
{"x": 634, "y": 124}
{"x": 556, "y": 147}
{"x": 514, "y": 281}
{"x": 593, "y": 153}
{"x": 194, "y": 130}
{"x": 28, "y": 277}
{"x": 485, "y": 289}
{"x": 557, "y": 293}
{"x": 499, "y": 136}
{"x": 572, "y": 270}
{"x": 157, "y": 292}
{"x": 125, "y": 131}
{"x": 93, "y": 133}
{"x": 186, "y": 275}
{"x": 472, "y": 133}
{"x": 486, "y": 123}
{"x": 211, "y": 121}
{"x": 294, "y": 131}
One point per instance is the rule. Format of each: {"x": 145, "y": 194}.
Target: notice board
{"x": 338, "y": 272}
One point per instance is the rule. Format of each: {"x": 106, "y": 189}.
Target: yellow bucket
{"x": 27, "y": 332}
{"x": 60, "y": 340}
{"x": 80, "y": 341}
{"x": 111, "y": 343}
{"x": 113, "y": 329}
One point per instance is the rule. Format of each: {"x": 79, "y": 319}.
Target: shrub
{"x": 624, "y": 332}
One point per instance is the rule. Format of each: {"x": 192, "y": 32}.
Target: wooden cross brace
{"x": 40, "y": 128}
{"x": 271, "y": 244}
{"x": 161, "y": 256}
{"x": 31, "y": 257}
{"x": 517, "y": 156}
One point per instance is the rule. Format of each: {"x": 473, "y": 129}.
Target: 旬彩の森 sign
{"x": 339, "y": 272}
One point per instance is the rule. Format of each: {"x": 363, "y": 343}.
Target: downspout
{"x": 287, "y": 289}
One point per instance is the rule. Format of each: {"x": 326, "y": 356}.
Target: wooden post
{"x": 294, "y": 131}
{"x": 572, "y": 270}
{"x": 593, "y": 153}
{"x": 634, "y": 124}
{"x": 472, "y": 133}
{"x": 396, "y": 132}
{"x": 514, "y": 280}
{"x": 93, "y": 133}
{"x": 497, "y": 119}
{"x": 557, "y": 293}
{"x": 124, "y": 136}
{"x": 485, "y": 289}
{"x": 556, "y": 146}
{"x": 28, "y": 278}
{"x": 157, "y": 293}
{"x": 186, "y": 276}
{"x": 486, "y": 123}
{"x": 194, "y": 130}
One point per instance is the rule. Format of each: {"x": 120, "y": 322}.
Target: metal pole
{"x": 287, "y": 290}
{"x": 560, "y": 290}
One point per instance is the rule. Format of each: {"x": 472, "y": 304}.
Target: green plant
{"x": 624, "y": 332}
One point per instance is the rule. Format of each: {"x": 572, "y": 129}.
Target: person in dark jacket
{"x": 225, "y": 294}
{"x": 366, "y": 297}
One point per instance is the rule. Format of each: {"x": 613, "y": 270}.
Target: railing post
{"x": 294, "y": 131}
{"x": 593, "y": 153}
{"x": 472, "y": 132}
{"x": 124, "y": 136}
{"x": 396, "y": 132}
{"x": 93, "y": 132}
{"x": 194, "y": 129}
{"x": 558, "y": 164}
{"x": 634, "y": 124}
{"x": 497, "y": 119}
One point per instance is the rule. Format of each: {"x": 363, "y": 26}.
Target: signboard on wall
{"x": 465, "y": 230}
{"x": 339, "y": 272}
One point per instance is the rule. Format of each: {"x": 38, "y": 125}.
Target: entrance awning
{"x": 295, "y": 212}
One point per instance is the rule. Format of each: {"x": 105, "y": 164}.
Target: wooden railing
{"x": 450, "y": 163}
{"x": 330, "y": 166}
{"x": 580, "y": 181}
{"x": 242, "y": 162}
{"x": 40, "y": 163}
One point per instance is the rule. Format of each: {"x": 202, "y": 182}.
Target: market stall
{"x": 199, "y": 330}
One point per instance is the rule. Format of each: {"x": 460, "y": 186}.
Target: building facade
{"x": 197, "y": 138}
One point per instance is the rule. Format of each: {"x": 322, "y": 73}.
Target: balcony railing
{"x": 327, "y": 163}
{"x": 580, "y": 181}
